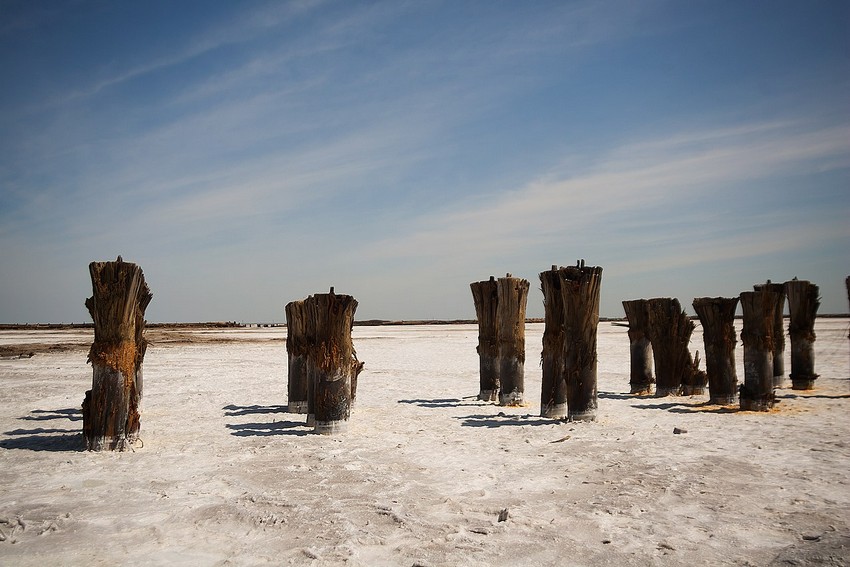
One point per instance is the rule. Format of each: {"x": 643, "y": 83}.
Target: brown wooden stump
{"x": 803, "y": 303}
{"x": 640, "y": 349}
{"x": 717, "y": 315}
{"x": 757, "y": 335}
{"x": 669, "y": 333}
{"x": 334, "y": 361}
{"x": 117, "y": 306}
{"x": 297, "y": 349}
{"x": 510, "y": 325}
{"x": 778, "y": 332}
{"x": 553, "y": 391}
{"x": 580, "y": 293}
{"x": 486, "y": 297}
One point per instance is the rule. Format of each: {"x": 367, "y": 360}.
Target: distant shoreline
{"x": 364, "y": 323}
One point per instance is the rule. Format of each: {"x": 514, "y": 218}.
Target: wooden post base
{"x": 331, "y": 427}
{"x": 588, "y": 415}
{"x": 663, "y": 392}
{"x": 803, "y": 383}
{"x": 297, "y": 407}
{"x": 688, "y": 390}
{"x": 724, "y": 400}
{"x": 641, "y": 389}
{"x": 554, "y": 411}
{"x": 514, "y": 398}
{"x": 488, "y": 395}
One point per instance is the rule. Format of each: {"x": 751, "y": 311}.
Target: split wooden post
{"x": 757, "y": 335}
{"x": 486, "y": 297}
{"x": 717, "y": 315}
{"x": 117, "y": 306}
{"x": 803, "y": 303}
{"x": 580, "y": 292}
{"x": 510, "y": 325}
{"x": 297, "y": 349}
{"x": 670, "y": 332}
{"x": 553, "y": 391}
{"x": 778, "y": 332}
{"x": 640, "y": 349}
{"x": 334, "y": 361}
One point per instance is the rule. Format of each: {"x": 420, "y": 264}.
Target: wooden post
{"x": 778, "y": 332}
{"x": 553, "y": 391}
{"x": 297, "y": 349}
{"x": 669, "y": 333}
{"x": 580, "y": 293}
{"x": 717, "y": 315}
{"x": 334, "y": 361}
{"x": 117, "y": 307}
{"x": 486, "y": 297}
{"x": 510, "y": 325}
{"x": 640, "y": 349}
{"x": 757, "y": 336}
{"x": 803, "y": 303}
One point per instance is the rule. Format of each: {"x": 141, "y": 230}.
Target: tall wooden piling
{"x": 333, "y": 360}
{"x": 757, "y": 335}
{"x": 717, "y": 315}
{"x": 640, "y": 349}
{"x": 669, "y": 333}
{"x": 510, "y": 325}
{"x": 803, "y": 303}
{"x": 486, "y": 297}
{"x": 553, "y": 391}
{"x": 111, "y": 418}
{"x": 297, "y": 349}
{"x": 778, "y": 332}
{"x": 580, "y": 292}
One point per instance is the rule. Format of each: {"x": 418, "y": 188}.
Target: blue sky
{"x": 246, "y": 154}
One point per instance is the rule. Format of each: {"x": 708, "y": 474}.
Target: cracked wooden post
{"x": 580, "y": 292}
{"x": 757, "y": 335}
{"x": 778, "y": 332}
{"x": 669, "y": 333}
{"x": 297, "y": 349}
{"x": 334, "y": 361}
{"x": 717, "y": 315}
{"x": 640, "y": 349}
{"x": 510, "y": 328}
{"x": 486, "y": 297}
{"x": 117, "y": 306}
{"x": 803, "y": 303}
{"x": 553, "y": 390}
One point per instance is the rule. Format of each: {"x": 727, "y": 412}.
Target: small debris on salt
{"x": 503, "y": 515}
{"x": 679, "y": 431}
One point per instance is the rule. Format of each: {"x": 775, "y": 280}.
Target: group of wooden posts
{"x": 571, "y": 304}
{"x": 323, "y": 366}
{"x": 659, "y": 329}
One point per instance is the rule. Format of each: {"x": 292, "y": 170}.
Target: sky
{"x": 248, "y": 154}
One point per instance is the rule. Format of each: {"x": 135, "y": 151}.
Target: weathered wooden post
{"x": 486, "y": 297}
{"x": 640, "y": 349}
{"x": 117, "y": 307}
{"x": 297, "y": 349}
{"x": 757, "y": 335}
{"x": 778, "y": 332}
{"x": 510, "y": 325}
{"x": 717, "y": 315}
{"x": 334, "y": 360}
{"x": 580, "y": 293}
{"x": 553, "y": 391}
{"x": 669, "y": 333}
{"x": 803, "y": 303}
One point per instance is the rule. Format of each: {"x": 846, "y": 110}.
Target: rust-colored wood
{"x": 486, "y": 297}
{"x": 803, "y": 303}
{"x": 510, "y": 325}
{"x": 580, "y": 292}
{"x": 778, "y": 332}
{"x": 111, "y": 418}
{"x": 757, "y": 335}
{"x": 640, "y": 349}
{"x": 717, "y": 315}
{"x": 553, "y": 390}
{"x": 333, "y": 360}
{"x": 297, "y": 349}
